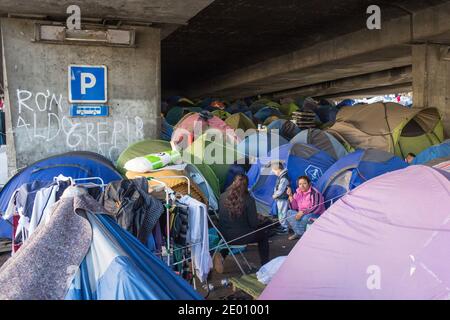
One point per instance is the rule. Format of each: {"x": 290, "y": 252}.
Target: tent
{"x": 300, "y": 159}
{"x": 288, "y": 108}
{"x": 269, "y": 120}
{"x": 259, "y": 144}
{"x": 326, "y": 113}
{"x": 141, "y": 148}
{"x": 321, "y": 140}
{"x": 387, "y": 239}
{"x": 210, "y": 155}
{"x": 267, "y": 112}
{"x": 176, "y": 113}
{"x": 238, "y": 106}
{"x": 390, "y": 127}
{"x": 221, "y": 114}
{"x": 287, "y": 129}
{"x": 240, "y": 121}
{"x": 440, "y": 163}
{"x": 166, "y": 130}
{"x": 193, "y": 125}
{"x": 79, "y": 164}
{"x": 355, "y": 169}
{"x": 434, "y": 152}
{"x": 119, "y": 267}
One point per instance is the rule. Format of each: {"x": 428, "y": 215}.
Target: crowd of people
{"x": 240, "y": 222}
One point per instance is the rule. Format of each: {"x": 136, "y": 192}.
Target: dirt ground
{"x": 279, "y": 246}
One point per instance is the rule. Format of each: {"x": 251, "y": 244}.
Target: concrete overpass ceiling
{"x": 167, "y": 15}
{"x": 230, "y": 35}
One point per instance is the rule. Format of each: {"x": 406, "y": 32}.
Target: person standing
{"x": 280, "y": 195}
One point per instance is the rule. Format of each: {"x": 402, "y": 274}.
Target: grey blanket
{"x": 45, "y": 265}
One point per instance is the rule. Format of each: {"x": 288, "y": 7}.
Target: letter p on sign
{"x": 87, "y": 84}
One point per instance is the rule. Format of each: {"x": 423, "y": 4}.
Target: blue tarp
{"x": 354, "y": 169}
{"x": 119, "y": 267}
{"x": 72, "y": 164}
{"x": 300, "y": 159}
{"x": 438, "y": 151}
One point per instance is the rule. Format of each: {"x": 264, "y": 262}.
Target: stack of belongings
{"x": 72, "y": 246}
{"x": 304, "y": 119}
{"x": 80, "y": 252}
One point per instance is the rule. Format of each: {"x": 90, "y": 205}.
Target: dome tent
{"x": 259, "y": 144}
{"x": 139, "y": 149}
{"x": 240, "y": 121}
{"x": 300, "y": 159}
{"x": 176, "y": 113}
{"x": 355, "y": 169}
{"x": 390, "y": 127}
{"x": 79, "y": 164}
{"x": 434, "y": 152}
{"x": 287, "y": 129}
{"x": 321, "y": 140}
{"x": 386, "y": 225}
{"x": 193, "y": 124}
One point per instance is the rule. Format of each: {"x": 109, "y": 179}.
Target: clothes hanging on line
{"x": 132, "y": 206}
{"x": 198, "y": 237}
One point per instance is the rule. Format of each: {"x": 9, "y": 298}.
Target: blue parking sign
{"x": 87, "y": 84}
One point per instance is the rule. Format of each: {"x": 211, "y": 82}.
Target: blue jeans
{"x": 299, "y": 226}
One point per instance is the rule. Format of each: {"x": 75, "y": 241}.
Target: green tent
{"x": 390, "y": 127}
{"x": 207, "y": 154}
{"x": 139, "y": 149}
{"x": 288, "y": 108}
{"x": 240, "y": 121}
{"x": 221, "y": 114}
{"x": 176, "y": 113}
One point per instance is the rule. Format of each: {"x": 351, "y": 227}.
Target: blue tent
{"x": 354, "y": 169}
{"x": 300, "y": 159}
{"x": 267, "y": 112}
{"x": 238, "y": 106}
{"x": 259, "y": 144}
{"x": 119, "y": 267}
{"x": 166, "y": 130}
{"x": 434, "y": 152}
{"x": 286, "y": 129}
{"x": 73, "y": 164}
{"x": 321, "y": 140}
{"x": 345, "y": 103}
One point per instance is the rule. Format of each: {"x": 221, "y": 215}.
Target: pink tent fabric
{"x": 193, "y": 125}
{"x": 387, "y": 239}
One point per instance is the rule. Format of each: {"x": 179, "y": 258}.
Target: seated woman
{"x": 238, "y": 217}
{"x": 307, "y": 203}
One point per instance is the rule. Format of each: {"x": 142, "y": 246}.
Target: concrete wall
{"x": 431, "y": 80}
{"x": 36, "y": 95}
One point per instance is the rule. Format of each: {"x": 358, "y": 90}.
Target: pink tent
{"x": 387, "y": 239}
{"x": 193, "y": 125}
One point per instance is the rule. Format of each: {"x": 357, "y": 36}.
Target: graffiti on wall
{"x": 41, "y": 118}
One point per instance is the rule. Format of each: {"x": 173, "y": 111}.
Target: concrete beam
{"x": 353, "y": 54}
{"x": 155, "y": 11}
{"x": 392, "y": 77}
{"x": 431, "y": 79}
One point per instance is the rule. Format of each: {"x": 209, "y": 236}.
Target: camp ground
{"x": 244, "y": 151}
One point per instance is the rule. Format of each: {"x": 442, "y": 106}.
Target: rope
{"x": 250, "y": 233}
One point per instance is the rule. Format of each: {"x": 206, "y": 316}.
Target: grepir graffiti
{"x": 41, "y": 118}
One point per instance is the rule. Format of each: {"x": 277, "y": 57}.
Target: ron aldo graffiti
{"x": 43, "y": 120}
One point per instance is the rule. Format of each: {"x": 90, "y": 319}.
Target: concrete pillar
{"x": 38, "y": 120}
{"x": 431, "y": 80}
